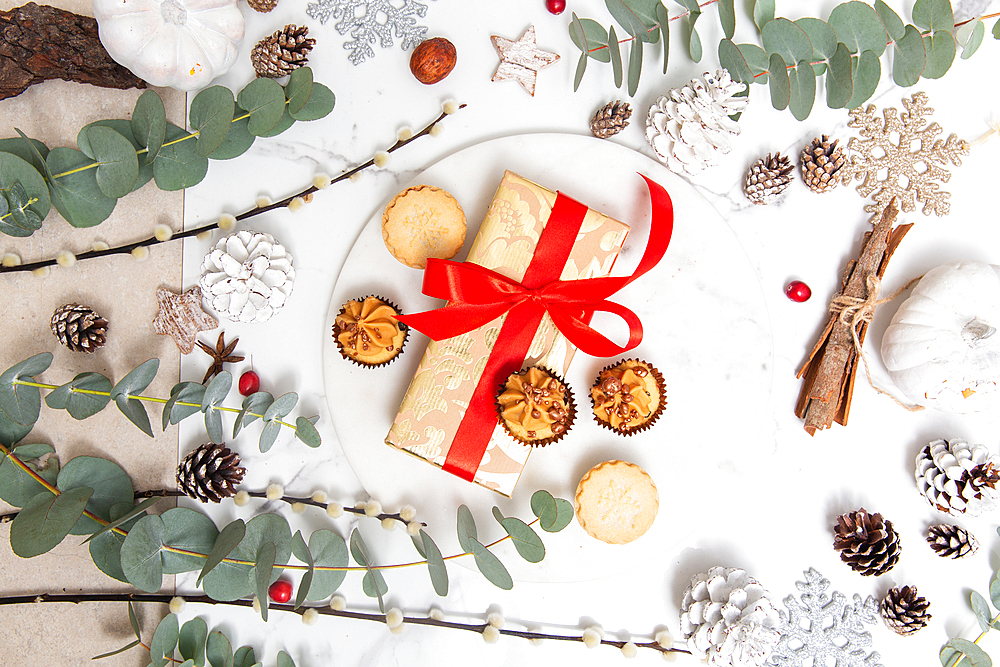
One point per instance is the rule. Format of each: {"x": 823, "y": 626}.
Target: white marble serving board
{"x": 706, "y": 329}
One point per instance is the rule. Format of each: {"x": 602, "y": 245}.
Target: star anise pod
{"x": 222, "y": 354}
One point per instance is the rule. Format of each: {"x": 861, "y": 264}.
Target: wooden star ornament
{"x": 521, "y": 60}
{"x": 222, "y": 354}
{"x": 181, "y": 317}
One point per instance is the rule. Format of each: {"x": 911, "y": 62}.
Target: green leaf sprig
{"x": 958, "y": 652}
{"x": 116, "y": 157}
{"x": 88, "y": 393}
{"x": 320, "y": 182}
{"x": 846, "y": 47}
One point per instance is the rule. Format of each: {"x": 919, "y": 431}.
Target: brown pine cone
{"x": 821, "y": 164}
{"x": 262, "y": 6}
{"x": 866, "y": 542}
{"x": 610, "y": 119}
{"x": 282, "y": 52}
{"x": 210, "y": 473}
{"x": 950, "y": 541}
{"x": 767, "y": 178}
{"x": 904, "y": 611}
{"x": 79, "y": 328}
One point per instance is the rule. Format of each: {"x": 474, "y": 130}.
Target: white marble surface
{"x": 775, "y": 520}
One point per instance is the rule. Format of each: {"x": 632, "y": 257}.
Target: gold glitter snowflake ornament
{"x": 899, "y": 156}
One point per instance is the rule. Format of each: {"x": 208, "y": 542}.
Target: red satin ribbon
{"x": 478, "y": 296}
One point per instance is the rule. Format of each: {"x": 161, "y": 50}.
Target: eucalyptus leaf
{"x": 543, "y": 506}
{"x": 20, "y": 402}
{"x": 727, "y": 17}
{"x": 307, "y": 433}
{"x": 802, "y": 82}
{"x": 106, "y": 546}
{"x": 614, "y": 50}
{"x": 996, "y": 30}
{"x": 664, "y": 20}
{"x": 821, "y": 35}
{"x": 264, "y": 99}
{"x": 117, "y": 163}
{"x": 995, "y": 588}
{"x": 634, "y": 66}
{"x": 231, "y": 581}
{"x": 261, "y": 574}
{"x": 140, "y": 554}
{"x": 15, "y": 169}
{"x": 594, "y": 37}
{"x": 859, "y": 27}
{"x": 867, "y": 73}
{"x": 581, "y": 68}
{"x": 111, "y": 485}
{"x": 244, "y": 656}
{"x": 284, "y": 660}
{"x": 466, "y": 528}
{"x": 299, "y": 88}
{"x": 281, "y": 406}
{"x": 491, "y": 567}
{"x": 890, "y": 19}
{"x": 694, "y": 41}
{"x": 149, "y": 124}
{"x": 133, "y": 621}
{"x": 211, "y": 116}
{"x": 133, "y": 384}
{"x": 253, "y": 405}
{"x": 982, "y": 610}
{"x": 130, "y": 513}
{"x": 26, "y": 149}
{"x": 161, "y": 647}
{"x": 974, "y": 656}
{"x": 183, "y": 392}
{"x": 525, "y": 540}
{"x": 128, "y": 646}
{"x": 238, "y": 140}
{"x": 628, "y": 17}
{"x": 229, "y": 538}
{"x": 46, "y": 520}
{"x": 268, "y": 435}
{"x": 564, "y": 514}
{"x": 191, "y": 641}
{"x": 784, "y": 37}
{"x": 763, "y": 12}
{"x": 975, "y": 39}
{"x": 933, "y": 15}
{"x": 301, "y": 551}
{"x": 941, "y": 49}
{"x": 18, "y": 487}
{"x": 373, "y": 584}
{"x": 178, "y": 164}
{"x": 328, "y": 549}
{"x": 124, "y": 128}
{"x": 283, "y": 124}
{"x": 435, "y": 564}
{"x": 189, "y": 531}
{"x": 908, "y": 58}
{"x": 839, "y": 82}
{"x": 320, "y": 104}
{"x": 76, "y": 396}
{"x": 732, "y": 59}
{"x": 218, "y": 650}
{"x": 780, "y": 86}
{"x": 74, "y": 190}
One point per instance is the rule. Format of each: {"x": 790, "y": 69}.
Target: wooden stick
{"x": 831, "y": 366}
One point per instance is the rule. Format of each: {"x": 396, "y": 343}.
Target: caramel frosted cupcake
{"x": 421, "y": 222}
{"x": 628, "y": 397}
{"x": 616, "y": 502}
{"x": 536, "y": 407}
{"x": 368, "y": 333}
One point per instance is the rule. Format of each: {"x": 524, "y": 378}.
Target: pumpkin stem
{"x": 977, "y": 330}
{"x": 173, "y": 13}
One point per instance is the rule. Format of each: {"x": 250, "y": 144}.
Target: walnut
{"x": 433, "y": 60}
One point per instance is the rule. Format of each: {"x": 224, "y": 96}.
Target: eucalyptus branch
{"x": 393, "y": 618}
{"x": 320, "y": 182}
{"x": 958, "y": 651}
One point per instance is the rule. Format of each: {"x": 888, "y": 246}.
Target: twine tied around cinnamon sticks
{"x": 855, "y": 312}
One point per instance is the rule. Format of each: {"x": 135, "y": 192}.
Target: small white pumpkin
{"x": 179, "y": 43}
{"x": 942, "y": 348}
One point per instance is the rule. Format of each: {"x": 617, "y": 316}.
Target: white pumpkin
{"x": 179, "y": 43}
{"x": 942, "y": 348}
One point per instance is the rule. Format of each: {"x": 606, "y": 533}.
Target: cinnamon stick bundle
{"x": 832, "y": 365}
{"x": 38, "y": 42}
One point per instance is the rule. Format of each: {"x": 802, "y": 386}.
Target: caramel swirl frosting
{"x": 624, "y": 396}
{"x": 535, "y": 401}
{"x": 367, "y": 328}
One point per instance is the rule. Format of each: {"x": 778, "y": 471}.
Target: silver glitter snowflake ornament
{"x": 822, "y": 629}
{"x": 370, "y": 21}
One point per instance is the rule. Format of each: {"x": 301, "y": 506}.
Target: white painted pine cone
{"x": 247, "y": 276}
{"x": 728, "y": 620}
{"x": 690, "y": 128}
{"x": 958, "y": 478}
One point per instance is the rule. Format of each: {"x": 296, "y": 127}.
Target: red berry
{"x": 280, "y": 591}
{"x": 555, "y": 6}
{"x": 796, "y": 290}
{"x": 249, "y": 383}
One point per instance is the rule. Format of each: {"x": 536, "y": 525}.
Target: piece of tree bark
{"x": 831, "y": 367}
{"x": 38, "y": 42}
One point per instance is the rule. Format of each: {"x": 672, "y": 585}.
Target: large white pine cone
{"x": 958, "y": 478}
{"x": 727, "y": 619}
{"x": 247, "y": 277}
{"x": 690, "y": 128}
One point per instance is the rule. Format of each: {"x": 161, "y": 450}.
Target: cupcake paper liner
{"x": 402, "y": 327}
{"x": 660, "y": 386}
{"x": 570, "y": 409}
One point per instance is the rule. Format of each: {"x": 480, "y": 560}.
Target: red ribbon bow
{"x": 478, "y": 296}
